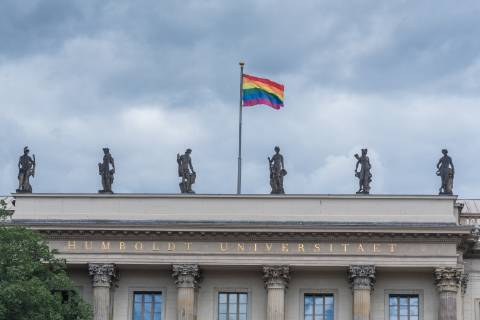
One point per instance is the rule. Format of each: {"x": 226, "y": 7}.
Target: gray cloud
{"x": 151, "y": 78}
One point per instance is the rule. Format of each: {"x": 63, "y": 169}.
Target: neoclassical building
{"x": 263, "y": 257}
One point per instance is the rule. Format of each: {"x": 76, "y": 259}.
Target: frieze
{"x": 252, "y": 248}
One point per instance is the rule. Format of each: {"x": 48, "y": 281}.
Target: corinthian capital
{"x": 276, "y": 276}
{"x": 448, "y": 278}
{"x": 186, "y": 275}
{"x": 103, "y": 274}
{"x": 361, "y": 276}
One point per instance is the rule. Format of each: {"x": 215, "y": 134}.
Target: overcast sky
{"x": 151, "y": 78}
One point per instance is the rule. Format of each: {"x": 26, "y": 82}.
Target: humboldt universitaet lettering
{"x": 362, "y": 248}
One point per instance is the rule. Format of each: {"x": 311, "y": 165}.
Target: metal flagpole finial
{"x": 241, "y": 63}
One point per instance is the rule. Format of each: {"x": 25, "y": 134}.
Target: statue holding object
{"x": 186, "y": 172}
{"x": 446, "y": 171}
{"x": 26, "y": 169}
{"x": 105, "y": 172}
{"x": 364, "y": 175}
{"x": 277, "y": 172}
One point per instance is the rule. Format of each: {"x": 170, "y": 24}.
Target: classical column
{"x": 103, "y": 276}
{"x": 186, "y": 278}
{"x": 362, "y": 279}
{"x": 276, "y": 280}
{"x": 448, "y": 280}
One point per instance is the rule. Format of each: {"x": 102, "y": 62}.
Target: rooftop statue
{"x": 105, "y": 172}
{"x": 26, "y": 169}
{"x": 364, "y": 175}
{"x": 446, "y": 171}
{"x": 186, "y": 172}
{"x": 277, "y": 172}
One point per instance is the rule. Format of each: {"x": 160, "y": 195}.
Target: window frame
{"x": 404, "y": 292}
{"x": 216, "y": 293}
{"x": 323, "y": 291}
{"x": 131, "y": 295}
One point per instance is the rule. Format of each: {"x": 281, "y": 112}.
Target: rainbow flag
{"x": 262, "y": 91}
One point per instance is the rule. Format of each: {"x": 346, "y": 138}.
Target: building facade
{"x": 262, "y": 257}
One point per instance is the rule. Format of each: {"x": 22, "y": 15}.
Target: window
{"x": 147, "y": 306}
{"x": 232, "y": 305}
{"x": 318, "y": 307}
{"x": 403, "y": 307}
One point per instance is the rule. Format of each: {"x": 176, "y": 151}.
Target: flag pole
{"x": 239, "y": 174}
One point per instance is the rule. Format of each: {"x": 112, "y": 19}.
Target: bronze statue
{"x": 364, "y": 175}
{"x": 277, "y": 172}
{"x": 26, "y": 169}
{"x": 446, "y": 171}
{"x": 186, "y": 172}
{"x": 105, "y": 172}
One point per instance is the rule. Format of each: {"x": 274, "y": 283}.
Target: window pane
{"x": 318, "y": 307}
{"x": 243, "y": 308}
{"x": 232, "y": 298}
{"x": 243, "y": 298}
{"x": 393, "y": 301}
{"x": 222, "y": 298}
{"x": 137, "y": 312}
{"x": 414, "y": 301}
{"x": 393, "y": 312}
{"x": 404, "y": 307}
{"x": 242, "y": 317}
{"x": 308, "y": 309}
{"x": 222, "y": 308}
{"x": 414, "y": 310}
{"x": 222, "y": 316}
{"x": 147, "y": 306}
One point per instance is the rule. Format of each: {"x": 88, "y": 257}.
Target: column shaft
{"x": 276, "y": 279}
{"x": 275, "y": 304}
{"x": 448, "y": 280}
{"x": 101, "y": 303}
{"x": 362, "y": 278}
{"x": 185, "y": 304}
{"x": 103, "y": 276}
{"x": 361, "y": 304}
{"x": 186, "y": 278}
{"x": 448, "y": 306}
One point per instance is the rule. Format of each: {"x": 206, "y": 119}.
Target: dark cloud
{"x": 151, "y": 78}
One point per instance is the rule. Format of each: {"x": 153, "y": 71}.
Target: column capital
{"x": 448, "y": 278}
{"x": 186, "y": 275}
{"x": 103, "y": 275}
{"x": 276, "y": 276}
{"x": 361, "y": 276}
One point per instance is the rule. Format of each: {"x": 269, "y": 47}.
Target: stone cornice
{"x": 276, "y": 277}
{"x": 186, "y": 275}
{"x": 103, "y": 275}
{"x": 238, "y": 235}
